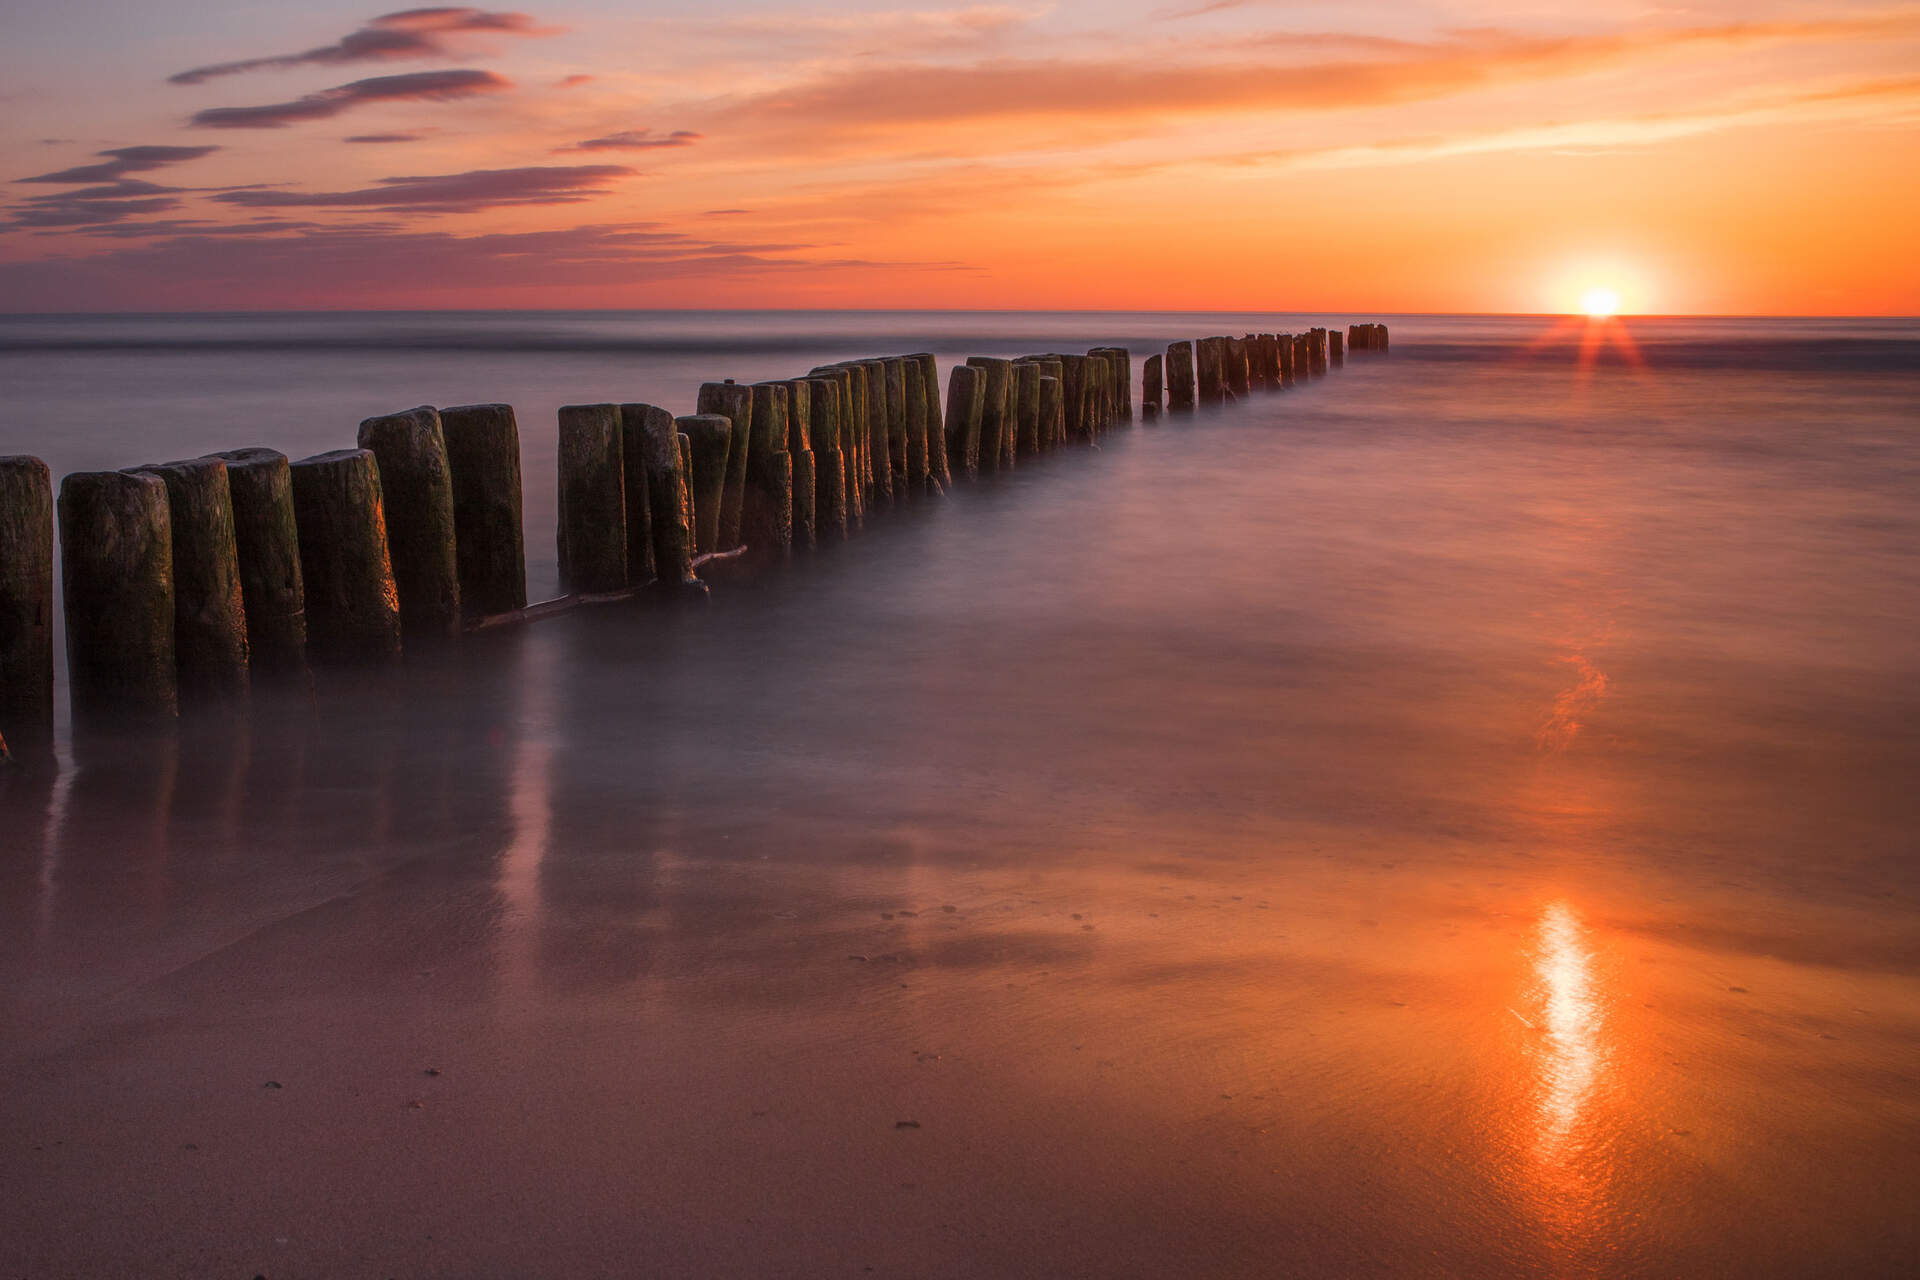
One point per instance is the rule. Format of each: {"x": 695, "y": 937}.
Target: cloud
{"x": 634, "y": 140}
{"x": 573, "y": 81}
{"x": 105, "y": 195}
{"x": 122, "y": 161}
{"x": 382, "y": 137}
{"x": 412, "y": 33}
{"x": 415, "y": 86}
{"x": 467, "y": 192}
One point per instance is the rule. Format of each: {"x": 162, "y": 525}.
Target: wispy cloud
{"x": 467, "y": 192}
{"x": 416, "y": 86}
{"x": 413, "y": 33}
{"x": 634, "y": 140}
{"x": 124, "y": 160}
{"x": 104, "y": 193}
{"x": 382, "y": 137}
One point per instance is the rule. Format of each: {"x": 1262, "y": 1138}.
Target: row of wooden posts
{"x": 190, "y": 579}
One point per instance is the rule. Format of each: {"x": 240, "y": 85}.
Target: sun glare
{"x": 1600, "y": 304}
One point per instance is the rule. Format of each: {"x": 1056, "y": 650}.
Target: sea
{"x": 1458, "y": 816}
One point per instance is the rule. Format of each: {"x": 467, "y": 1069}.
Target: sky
{"x": 1368, "y": 155}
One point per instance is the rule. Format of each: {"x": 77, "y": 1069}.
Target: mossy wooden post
{"x": 1210, "y": 353}
{"x": 209, "y": 613}
{"x": 1052, "y": 405}
{"x": 766, "y": 518}
{"x": 26, "y": 607}
{"x": 416, "y": 486}
{"x": 643, "y": 430}
{"x": 800, "y": 458}
{"x": 915, "y": 397}
{"x": 965, "y": 395}
{"x": 1152, "y": 395}
{"x": 353, "y": 607}
{"x": 489, "y": 538}
{"x": 996, "y": 382}
{"x": 272, "y": 586}
{"x": 116, "y": 576}
{"x": 879, "y": 430}
{"x": 1238, "y": 378}
{"x": 895, "y": 374}
{"x": 1026, "y": 399}
{"x": 710, "y": 436}
{"x": 829, "y": 468}
{"x": 1180, "y": 384}
{"x": 937, "y": 474}
{"x": 592, "y": 533}
{"x": 734, "y": 402}
{"x": 1336, "y": 348}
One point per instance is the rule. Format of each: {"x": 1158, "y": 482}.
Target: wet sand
{"x": 1427, "y": 824}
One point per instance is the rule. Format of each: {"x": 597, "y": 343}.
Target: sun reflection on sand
{"x": 1566, "y": 1009}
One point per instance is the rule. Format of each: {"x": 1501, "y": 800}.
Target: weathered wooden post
{"x": 896, "y": 384}
{"x": 1357, "y": 337}
{"x": 937, "y": 473}
{"x": 26, "y": 607}
{"x": 1211, "y": 354}
{"x": 353, "y": 607}
{"x": 1151, "y": 394}
{"x": 710, "y": 435}
{"x": 1053, "y": 427}
{"x": 116, "y": 575}
{"x": 1180, "y": 384}
{"x": 1302, "y": 357}
{"x": 1283, "y": 358}
{"x": 915, "y": 396}
{"x": 1052, "y": 404}
{"x": 489, "y": 540}
{"x": 1317, "y": 351}
{"x": 965, "y": 394}
{"x": 1380, "y": 338}
{"x": 829, "y": 467}
{"x": 879, "y": 429}
{"x": 209, "y": 615}
{"x": 665, "y": 458}
{"x": 766, "y": 519}
{"x": 996, "y": 382}
{"x": 592, "y": 533}
{"x": 735, "y": 403}
{"x": 416, "y": 486}
{"x": 1073, "y": 397}
{"x": 1099, "y": 396}
{"x": 1336, "y": 348}
{"x": 1026, "y": 398}
{"x": 272, "y": 586}
{"x": 1119, "y": 383}
{"x": 1237, "y": 379}
{"x": 642, "y": 428}
{"x": 800, "y": 458}
{"x": 1250, "y": 343}
{"x": 849, "y": 413}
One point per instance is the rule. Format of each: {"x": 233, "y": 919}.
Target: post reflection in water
{"x": 1571, "y": 1066}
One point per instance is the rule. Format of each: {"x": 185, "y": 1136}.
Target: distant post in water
{"x": 829, "y": 468}
{"x": 640, "y": 425}
{"x": 766, "y": 520}
{"x": 736, "y": 403}
{"x": 209, "y": 614}
{"x": 116, "y": 574}
{"x": 1180, "y": 381}
{"x": 489, "y": 539}
{"x": 1336, "y": 348}
{"x": 272, "y": 587}
{"x": 26, "y": 607}
{"x": 592, "y": 536}
{"x": 800, "y": 458}
{"x": 1026, "y": 398}
{"x": 1151, "y": 394}
{"x": 353, "y": 607}
{"x": 416, "y": 485}
{"x": 709, "y": 435}
{"x": 964, "y": 397}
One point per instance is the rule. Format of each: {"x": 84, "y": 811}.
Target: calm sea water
{"x": 1458, "y": 817}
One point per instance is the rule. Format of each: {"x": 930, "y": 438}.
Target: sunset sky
{"x": 1725, "y": 156}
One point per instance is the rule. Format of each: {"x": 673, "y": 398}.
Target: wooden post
{"x": 1073, "y": 397}
{"x": 800, "y": 458}
{"x": 1237, "y": 379}
{"x": 1180, "y": 384}
{"x": 916, "y": 424}
{"x": 1302, "y": 357}
{"x": 829, "y": 467}
{"x": 417, "y": 487}
{"x": 1283, "y": 358}
{"x": 489, "y": 538}
{"x": 1211, "y": 353}
{"x": 1053, "y": 427}
{"x": 996, "y": 384}
{"x": 849, "y": 412}
{"x": 1317, "y": 351}
{"x": 209, "y": 614}
{"x": 26, "y": 607}
{"x": 766, "y": 519}
{"x": 1380, "y": 338}
{"x": 353, "y": 607}
{"x": 644, "y": 429}
{"x": 1151, "y": 395}
{"x": 879, "y": 429}
{"x": 896, "y": 383}
{"x": 1119, "y": 403}
{"x": 272, "y": 587}
{"x": 116, "y": 575}
{"x": 1336, "y": 348}
{"x": 1052, "y": 404}
{"x": 1026, "y": 398}
{"x": 735, "y": 403}
{"x": 710, "y": 435}
{"x": 1099, "y": 396}
{"x": 965, "y": 394}
{"x": 667, "y": 455}
{"x": 592, "y": 534}
{"x": 937, "y": 473}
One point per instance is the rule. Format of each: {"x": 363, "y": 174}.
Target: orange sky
{"x": 1387, "y": 156}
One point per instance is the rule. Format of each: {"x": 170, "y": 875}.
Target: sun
{"x": 1600, "y": 304}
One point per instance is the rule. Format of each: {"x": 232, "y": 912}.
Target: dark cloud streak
{"x": 467, "y": 192}
{"x": 414, "y": 86}
{"x": 412, "y": 33}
